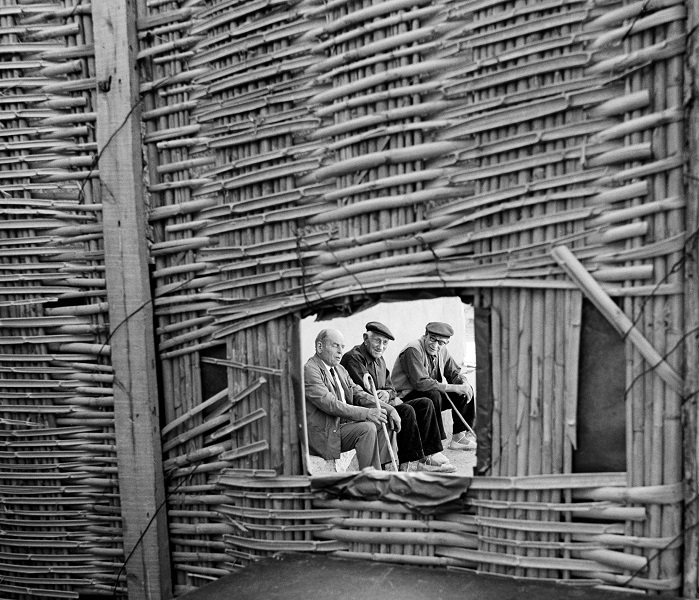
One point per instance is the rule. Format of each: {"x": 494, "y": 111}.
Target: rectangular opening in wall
{"x": 406, "y": 320}
{"x": 601, "y": 414}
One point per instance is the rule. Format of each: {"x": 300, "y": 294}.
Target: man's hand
{"x": 383, "y": 395}
{"x": 395, "y": 420}
{"x": 463, "y": 389}
{"x": 377, "y": 415}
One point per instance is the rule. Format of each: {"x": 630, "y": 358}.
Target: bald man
{"x": 340, "y": 415}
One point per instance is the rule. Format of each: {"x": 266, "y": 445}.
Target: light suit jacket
{"x": 324, "y": 411}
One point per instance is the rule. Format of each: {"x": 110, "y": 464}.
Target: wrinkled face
{"x": 434, "y": 342}
{"x": 375, "y": 343}
{"x": 331, "y": 349}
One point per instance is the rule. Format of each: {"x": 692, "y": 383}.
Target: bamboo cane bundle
{"x": 370, "y": 82}
{"x": 660, "y": 51}
{"x": 386, "y": 202}
{"x": 521, "y": 29}
{"x": 648, "y": 208}
{"x": 654, "y": 250}
{"x": 284, "y": 545}
{"x": 252, "y": 64}
{"x": 624, "y": 273}
{"x": 400, "y": 538}
{"x": 372, "y": 49}
{"x": 641, "y": 123}
{"x": 372, "y": 25}
{"x": 578, "y": 565}
{"x": 424, "y": 109}
{"x": 250, "y": 37}
{"x": 373, "y": 58}
{"x": 379, "y": 158}
{"x": 620, "y": 232}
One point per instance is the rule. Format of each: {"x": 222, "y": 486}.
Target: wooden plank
{"x": 141, "y": 484}
{"x": 690, "y": 415}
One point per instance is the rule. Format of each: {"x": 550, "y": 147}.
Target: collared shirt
{"x": 358, "y": 361}
{"x": 335, "y": 378}
{"x": 424, "y": 373}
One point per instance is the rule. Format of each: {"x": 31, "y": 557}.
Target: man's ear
{"x": 365, "y": 336}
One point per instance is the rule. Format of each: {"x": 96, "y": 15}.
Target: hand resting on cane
{"x": 377, "y": 415}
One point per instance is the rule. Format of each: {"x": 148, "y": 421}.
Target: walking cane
{"x": 369, "y": 385}
{"x": 458, "y": 413}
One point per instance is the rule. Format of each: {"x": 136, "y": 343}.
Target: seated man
{"x": 340, "y": 414}
{"x": 419, "y": 444}
{"x": 425, "y": 368}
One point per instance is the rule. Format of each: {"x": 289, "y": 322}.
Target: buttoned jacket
{"x": 325, "y": 411}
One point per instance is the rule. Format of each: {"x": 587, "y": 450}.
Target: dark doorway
{"x": 214, "y": 377}
{"x": 601, "y": 415}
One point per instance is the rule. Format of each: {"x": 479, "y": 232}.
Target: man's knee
{"x": 432, "y": 395}
{"x": 366, "y": 428}
{"x": 422, "y": 406}
{"x": 406, "y": 412}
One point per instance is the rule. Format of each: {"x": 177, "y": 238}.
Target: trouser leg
{"x": 409, "y": 439}
{"x": 466, "y": 409}
{"x": 383, "y": 442}
{"x": 361, "y": 436}
{"x": 435, "y": 398}
{"x": 427, "y": 425}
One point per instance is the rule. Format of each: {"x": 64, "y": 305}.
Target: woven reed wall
{"x": 588, "y": 543}
{"x": 61, "y": 525}
{"x": 297, "y": 155}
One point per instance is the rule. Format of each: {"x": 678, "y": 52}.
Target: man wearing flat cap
{"x": 419, "y": 442}
{"x": 424, "y": 368}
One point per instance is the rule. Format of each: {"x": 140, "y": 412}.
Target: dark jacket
{"x": 413, "y": 370}
{"x": 324, "y": 411}
{"x": 358, "y": 361}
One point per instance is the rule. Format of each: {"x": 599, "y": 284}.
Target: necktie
{"x": 339, "y": 392}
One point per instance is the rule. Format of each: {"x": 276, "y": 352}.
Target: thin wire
{"x": 641, "y": 13}
{"x": 667, "y": 546}
{"x": 686, "y": 255}
{"x": 81, "y": 196}
{"x": 139, "y": 541}
{"x": 350, "y": 273}
{"x": 426, "y": 244}
{"x": 110, "y": 139}
{"x": 300, "y": 238}
{"x": 664, "y": 356}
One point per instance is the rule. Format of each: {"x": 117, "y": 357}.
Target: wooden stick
{"x": 616, "y": 317}
{"x": 371, "y": 388}
{"x": 210, "y": 402}
{"x": 457, "y": 413}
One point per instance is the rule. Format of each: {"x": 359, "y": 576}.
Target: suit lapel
{"x": 330, "y": 384}
{"x": 348, "y": 394}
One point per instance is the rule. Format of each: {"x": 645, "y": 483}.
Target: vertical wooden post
{"x": 691, "y": 298}
{"x": 141, "y": 484}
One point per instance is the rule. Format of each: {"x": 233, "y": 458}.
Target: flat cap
{"x": 379, "y": 328}
{"x": 443, "y": 329}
